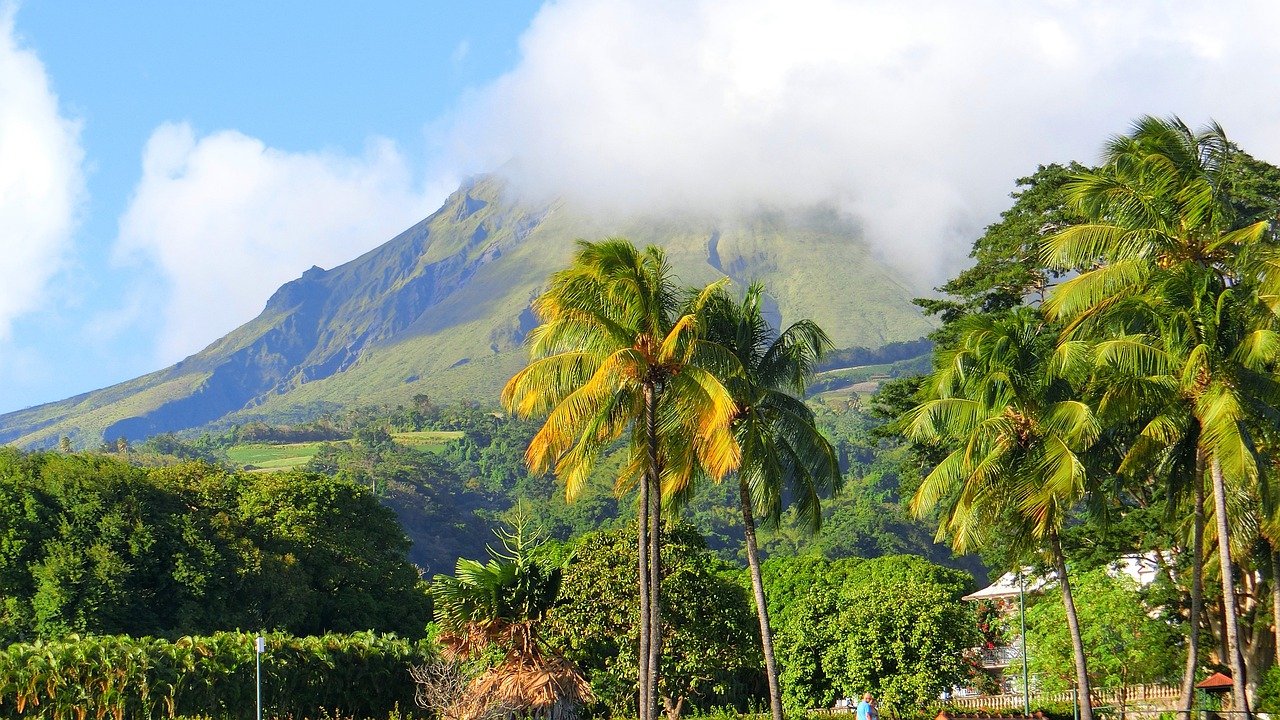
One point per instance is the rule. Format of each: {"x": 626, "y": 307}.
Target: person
{"x": 867, "y": 708}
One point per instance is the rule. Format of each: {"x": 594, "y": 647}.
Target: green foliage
{"x": 1269, "y": 691}
{"x": 315, "y": 431}
{"x": 893, "y": 626}
{"x": 167, "y": 444}
{"x": 515, "y": 586}
{"x": 90, "y": 544}
{"x": 434, "y": 500}
{"x": 710, "y": 653}
{"x": 885, "y": 354}
{"x": 1124, "y": 643}
{"x": 361, "y": 675}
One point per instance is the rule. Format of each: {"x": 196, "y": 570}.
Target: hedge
{"x": 77, "y": 678}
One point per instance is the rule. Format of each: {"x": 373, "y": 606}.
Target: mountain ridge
{"x": 444, "y": 306}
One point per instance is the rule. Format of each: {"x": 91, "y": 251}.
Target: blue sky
{"x": 165, "y": 166}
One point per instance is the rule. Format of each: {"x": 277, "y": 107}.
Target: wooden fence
{"x": 1150, "y": 697}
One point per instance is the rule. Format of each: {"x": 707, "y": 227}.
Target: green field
{"x": 433, "y": 440}
{"x": 273, "y": 457}
{"x": 286, "y": 456}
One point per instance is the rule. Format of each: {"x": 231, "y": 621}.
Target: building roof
{"x": 1142, "y": 569}
{"x": 1007, "y": 587}
{"x": 1216, "y": 681}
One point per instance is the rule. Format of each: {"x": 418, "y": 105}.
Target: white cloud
{"x": 460, "y": 53}
{"x": 41, "y": 181}
{"x": 227, "y": 220}
{"x": 915, "y": 117}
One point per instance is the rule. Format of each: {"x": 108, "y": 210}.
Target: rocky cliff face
{"x": 443, "y": 308}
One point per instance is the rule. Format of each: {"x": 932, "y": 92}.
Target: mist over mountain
{"x": 443, "y": 309}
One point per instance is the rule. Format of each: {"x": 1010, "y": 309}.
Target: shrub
{"x": 360, "y": 675}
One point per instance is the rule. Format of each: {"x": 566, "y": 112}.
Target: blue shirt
{"x": 865, "y": 711}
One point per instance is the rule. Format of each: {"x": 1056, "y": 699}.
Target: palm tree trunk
{"x": 762, "y": 607}
{"x": 1231, "y": 627}
{"x": 655, "y": 586}
{"x": 642, "y": 553}
{"x": 1275, "y": 598}
{"x": 642, "y": 523}
{"x": 653, "y": 512}
{"x": 1197, "y": 593}
{"x": 1073, "y": 623}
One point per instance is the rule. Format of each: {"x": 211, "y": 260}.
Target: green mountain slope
{"x": 443, "y": 308}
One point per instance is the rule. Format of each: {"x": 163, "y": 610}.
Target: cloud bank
{"x": 914, "y": 117}
{"x": 41, "y": 180}
{"x": 227, "y": 220}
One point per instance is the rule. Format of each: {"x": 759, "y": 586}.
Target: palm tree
{"x": 504, "y": 602}
{"x": 1189, "y": 292}
{"x": 1004, "y": 404}
{"x": 612, "y": 355}
{"x": 782, "y": 450}
{"x": 1140, "y": 392}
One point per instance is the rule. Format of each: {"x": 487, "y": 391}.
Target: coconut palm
{"x": 783, "y": 454}
{"x": 1185, "y": 290}
{"x": 612, "y": 356}
{"x": 1139, "y": 393}
{"x": 1004, "y": 404}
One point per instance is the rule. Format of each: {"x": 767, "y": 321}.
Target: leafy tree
{"x": 1008, "y": 270}
{"x": 347, "y": 575}
{"x": 90, "y": 544}
{"x": 1125, "y": 644}
{"x": 612, "y": 354}
{"x": 895, "y": 626}
{"x": 709, "y": 655}
{"x": 808, "y": 592}
{"x": 782, "y": 451}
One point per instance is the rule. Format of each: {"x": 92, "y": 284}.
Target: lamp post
{"x": 1022, "y": 614}
{"x": 259, "y": 647}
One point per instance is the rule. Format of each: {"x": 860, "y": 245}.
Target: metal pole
{"x": 259, "y": 644}
{"x": 1022, "y": 613}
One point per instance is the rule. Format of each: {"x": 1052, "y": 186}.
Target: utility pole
{"x": 259, "y": 647}
{"x": 1022, "y": 613}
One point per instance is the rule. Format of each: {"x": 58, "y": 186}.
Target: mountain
{"x": 443, "y": 308}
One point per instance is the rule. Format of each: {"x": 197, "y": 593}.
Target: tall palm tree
{"x": 1166, "y": 266}
{"x": 782, "y": 451}
{"x": 613, "y": 356}
{"x": 1004, "y": 404}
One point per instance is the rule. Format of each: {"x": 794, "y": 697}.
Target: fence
{"x": 1150, "y": 697}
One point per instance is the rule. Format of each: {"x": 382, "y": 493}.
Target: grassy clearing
{"x": 432, "y": 440}
{"x": 273, "y": 457}
{"x": 286, "y": 456}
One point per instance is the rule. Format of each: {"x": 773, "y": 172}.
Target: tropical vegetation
{"x": 782, "y": 452}
{"x": 1115, "y": 344}
{"x": 1103, "y": 384}
{"x": 74, "y": 677}
{"x": 502, "y": 606}
{"x": 615, "y": 354}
